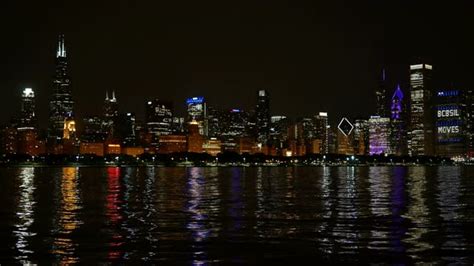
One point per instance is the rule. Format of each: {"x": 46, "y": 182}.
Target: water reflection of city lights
{"x": 198, "y": 219}
{"x": 68, "y": 221}
{"x": 113, "y": 211}
{"x": 24, "y": 214}
{"x": 418, "y": 212}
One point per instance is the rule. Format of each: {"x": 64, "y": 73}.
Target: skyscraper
{"x": 126, "y": 129}
{"x": 361, "y": 136}
{"x": 451, "y": 114}
{"x": 398, "y": 140}
{"x": 380, "y": 95}
{"x": 278, "y": 131}
{"x": 321, "y": 130}
{"x": 215, "y": 122}
{"x": 93, "y": 129}
{"x": 28, "y": 115}
{"x": 111, "y": 113}
{"x": 110, "y": 106}
{"x": 345, "y": 137}
{"x": 233, "y": 123}
{"x": 469, "y": 102}
{"x": 379, "y": 135}
{"x": 262, "y": 114}
{"x": 159, "y": 119}
{"x": 307, "y": 125}
{"x": 421, "y": 133}
{"x": 61, "y": 103}
{"x": 197, "y": 111}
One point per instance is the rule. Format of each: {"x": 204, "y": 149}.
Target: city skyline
{"x": 381, "y": 95}
{"x": 305, "y": 49}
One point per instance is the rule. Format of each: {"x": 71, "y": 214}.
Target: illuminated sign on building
{"x": 448, "y": 113}
{"x": 447, "y": 130}
{"x": 449, "y": 125}
{"x": 448, "y": 93}
{"x": 195, "y": 100}
{"x": 345, "y": 127}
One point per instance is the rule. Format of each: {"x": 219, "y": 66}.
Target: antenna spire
{"x": 61, "y": 52}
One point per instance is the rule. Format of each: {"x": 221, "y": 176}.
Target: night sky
{"x": 311, "y": 56}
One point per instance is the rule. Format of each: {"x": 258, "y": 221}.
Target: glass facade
{"x": 379, "y": 135}
{"x": 421, "y": 133}
{"x": 159, "y": 119}
{"x": 321, "y": 131}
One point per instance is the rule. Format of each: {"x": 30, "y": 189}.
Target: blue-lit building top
{"x": 194, "y": 100}
{"x": 197, "y": 111}
{"x": 397, "y": 100}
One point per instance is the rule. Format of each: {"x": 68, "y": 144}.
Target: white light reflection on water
{"x": 379, "y": 189}
{"x": 325, "y": 242}
{"x": 345, "y": 232}
{"x": 448, "y": 201}
{"x": 25, "y": 213}
{"x": 418, "y": 213}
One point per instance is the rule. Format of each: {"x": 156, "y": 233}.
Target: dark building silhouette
{"x": 61, "y": 105}
{"x": 469, "y": 102}
{"x": 126, "y": 129}
{"x": 381, "y": 97}
{"x": 111, "y": 113}
{"x": 262, "y": 116}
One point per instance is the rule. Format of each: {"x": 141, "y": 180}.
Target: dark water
{"x": 237, "y": 215}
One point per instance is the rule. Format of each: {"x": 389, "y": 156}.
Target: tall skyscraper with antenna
{"x": 110, "y": 106}
{"x": 111, "y": 113}
{"x": 61, "y": 105}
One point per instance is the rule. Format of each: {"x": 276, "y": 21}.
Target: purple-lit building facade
{"x": 379, "y": 135}
{"x": 398, "y": 141}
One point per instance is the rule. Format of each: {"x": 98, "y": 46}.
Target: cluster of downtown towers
{"x": 424, "y": 122}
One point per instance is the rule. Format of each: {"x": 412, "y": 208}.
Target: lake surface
{"x": 237, "y": 215}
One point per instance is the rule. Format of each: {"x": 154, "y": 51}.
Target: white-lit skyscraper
{"x": 159, "y": 119}
{"x": 379, "y": 135}
{"x": 421, "y": 133}
{"x": 321, "y": 130}
{"x": 28, "y": 115}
